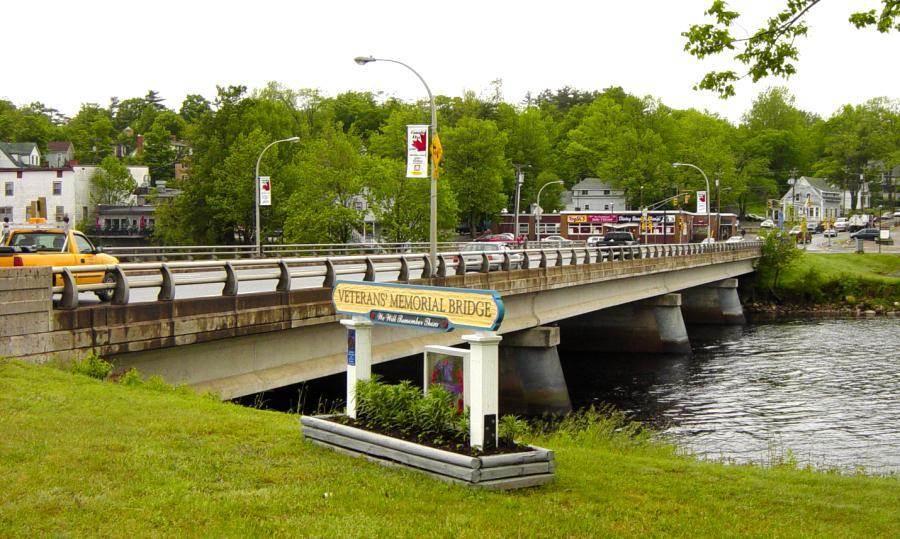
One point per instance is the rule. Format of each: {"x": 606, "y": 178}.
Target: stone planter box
{"x": 496, "y": 472}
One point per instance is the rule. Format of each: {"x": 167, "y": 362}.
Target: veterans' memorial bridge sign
{"x": 426, "y": 307}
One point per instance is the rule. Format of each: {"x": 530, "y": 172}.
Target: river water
{"x": 824, "y": 392}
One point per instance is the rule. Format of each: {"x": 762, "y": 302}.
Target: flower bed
{"x": 399, "y": 426}
{"x": 533, "y": 467}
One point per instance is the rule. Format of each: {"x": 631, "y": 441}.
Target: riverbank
{"x": 84, "y": 457}
{"x": 831, "y": 285}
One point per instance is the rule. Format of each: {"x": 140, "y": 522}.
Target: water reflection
{"x": 825, "y": 389}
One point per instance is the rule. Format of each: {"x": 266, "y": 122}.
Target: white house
{"x": 813, "y": 198}
{"x": 19, "y": 154}
{"x": 592, "y": 194}
{"x": 66, "y": 190}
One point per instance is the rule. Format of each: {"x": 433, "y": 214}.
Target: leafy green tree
{"x": 111, "y": 183}
{"x": 778, "y": 253}
{"x": 193, "y": 107}
{"x": 159, "y": 154}
{"x": 474, "y": 167}
{"x": 92, "y": 133}
{"x": 770, "y": 49}
{"x": 327, "y": 207}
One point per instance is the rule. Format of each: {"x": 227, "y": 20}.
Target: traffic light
{"x": 769, "y": 204}
{"x": 687, "y": 199}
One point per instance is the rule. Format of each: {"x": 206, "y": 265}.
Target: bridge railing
{"x": 120, "y": 279}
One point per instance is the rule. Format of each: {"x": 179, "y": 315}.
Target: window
{"x": 60, "y": 212}
{"x": 587, "y": 206}
{"x": 549, "y": 228}
{"x": 84, "y": 246}
{"x": 57, "y": 188}
{"x": 584, "y": 193}
{"x": 19, "y": 174}
{"x": 523, "y": 229}
{"x": 59, "y": 174}
{"x": 606, "y": 206}
{"x": 84, "y": 213}
{"x": 6, "y": 211}
{"x": 8, "y": 189}
{"x": 606, "y": 191}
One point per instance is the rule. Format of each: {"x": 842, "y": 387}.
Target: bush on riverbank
{"x": 854, "y": 281}
{"x": 82, "y": 457}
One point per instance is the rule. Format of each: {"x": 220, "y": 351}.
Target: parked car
{"x": 708, "y": 240}
{"x": 768, "y": 223}
{"x": 556, "y": 241}
{"x": 866, "y": 234}
{"x": 735, "y": 239}
{"x": 812, "y": 228}
{"x": 841, "y": 224}
{"x": 494, "y": 251}
{"x": 594, "y": 241}
{"x": 830, "y": 233}
{"x": 801, "y": 238}
{"x": 618, "y": 238}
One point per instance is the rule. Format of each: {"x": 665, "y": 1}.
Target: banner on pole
{"x": 701, "y": 202}
{"x": 416, "y": 151}
{"x": 265, "y": 191}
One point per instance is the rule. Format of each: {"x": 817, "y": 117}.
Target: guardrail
{"x": 227, "y": 252}
{"x": 119, "y": 279}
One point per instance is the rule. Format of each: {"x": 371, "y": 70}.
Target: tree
{"x": 474, "y": 167}
{"x": 328, "y": 207}
{"x": 159, "y": 154}
{"x": 92, "y": 133}
{"x": 771, "y": 49}
{"x": 111, "y": 183}
{"x": 778, "y": 253}
{"x": 193, "y": 107}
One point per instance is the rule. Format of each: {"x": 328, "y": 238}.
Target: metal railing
{"x": 120, "y": 279}
{"x": 230, "y": 252}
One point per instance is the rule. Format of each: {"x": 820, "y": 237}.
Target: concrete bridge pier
{"x": 713, "y": 303}
{"x": 531, "y": 377}
{"x": 652, "y": 326}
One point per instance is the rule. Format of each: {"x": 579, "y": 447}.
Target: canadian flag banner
{"x": 416, "y": 151}
{"x": 265, "y": 191}
{"x": 701, "y": 201}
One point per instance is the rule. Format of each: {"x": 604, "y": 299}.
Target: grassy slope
{"x": 882, "y": 267}
{"x": 81, "y": 457}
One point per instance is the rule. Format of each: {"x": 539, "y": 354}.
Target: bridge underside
{"x": 238, "y": 365}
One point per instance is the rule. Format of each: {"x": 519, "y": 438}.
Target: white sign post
{"x": 265, "y": 191}
{"x": 484, "y": 379}
{"x": 701, "y": 202}
{"x": 359, "y": 357}
{"x": 416, "y": 151}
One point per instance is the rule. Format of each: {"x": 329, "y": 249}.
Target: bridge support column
{"x": 531, "y": 377}
{"x": 715, "y": 303}
{"x": 652, "y": 326}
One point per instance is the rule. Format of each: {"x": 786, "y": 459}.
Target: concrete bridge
{"x": 237, "y": 343}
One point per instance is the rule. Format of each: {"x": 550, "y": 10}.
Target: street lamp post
{"x": 256, "y": 190}
{"x": 432, "y": 229}
{"x": 708, "y": 228}
{"x": 537, "y": 227}
{"x": 520, "y": 180}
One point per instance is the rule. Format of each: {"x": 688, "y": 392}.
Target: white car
{"x": 708, "y": 240}
{"x": 840, "y": 224}
{"x": 830, "y": 232}
{"x": 768, "y": 223}
{"x": 735, "y": 239}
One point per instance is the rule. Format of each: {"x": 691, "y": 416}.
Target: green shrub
{"x": 131, "y": 378}
{"x": 432, "y": 418}
{"x": 511, "y": 428}
{"x": 93, "y": 366}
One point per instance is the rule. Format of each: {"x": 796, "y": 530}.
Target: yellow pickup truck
{"x": 40, "y": 244}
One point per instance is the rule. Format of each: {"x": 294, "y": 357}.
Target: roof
{"x": 21, "y": 148}
{"x": 59, "y": 146}
{"x": 591, "y": 183}
{"x": 820, "y": 184}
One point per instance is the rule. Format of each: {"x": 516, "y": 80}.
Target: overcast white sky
{"x": 86, "y": 51}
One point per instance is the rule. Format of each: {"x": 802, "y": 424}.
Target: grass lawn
{"x": 882, "y": 267}
{"x": 82, "y": 457}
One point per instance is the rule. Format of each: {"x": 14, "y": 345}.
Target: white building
{"x": 812, "y": 198}
{"x": 19, "y": 154}
{"x": 592, "y": 194}
{"x": 66, "y": 190}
